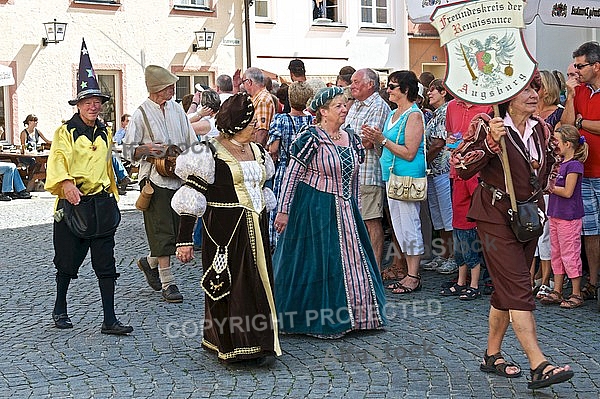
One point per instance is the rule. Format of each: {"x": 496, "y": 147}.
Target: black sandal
{"x": 402, "y": 289}
{"x": 539, "y": 379}
{"x": 490, "y": 366}
{"x": 469, "y": 294}
{"x": 453, "y": 290}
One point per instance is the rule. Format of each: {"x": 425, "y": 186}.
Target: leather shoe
{"x": 62, "y": 321}
{"x": 152, "y": 276}
{"x": 172, "y": 294}
{"x": 116, "y": 329}
{"x": 20, "y": 195}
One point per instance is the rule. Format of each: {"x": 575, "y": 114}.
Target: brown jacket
{"x": 479, "y": 153}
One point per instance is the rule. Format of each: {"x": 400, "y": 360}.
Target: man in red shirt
{"x": 582, "y": 109}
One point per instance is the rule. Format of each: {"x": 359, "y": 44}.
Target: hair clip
{"x": 581, "y": 140}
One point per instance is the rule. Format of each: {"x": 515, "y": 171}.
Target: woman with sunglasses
{"x": 532, "y": 155}
{"x": 402, "y": 143}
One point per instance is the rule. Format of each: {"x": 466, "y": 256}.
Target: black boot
{"x": 110, "y": 325}
{"x": 59, "y": 314}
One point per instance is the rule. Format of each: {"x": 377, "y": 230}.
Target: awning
{"x": 584, "y": 13}
{"x": 6, "y": 76}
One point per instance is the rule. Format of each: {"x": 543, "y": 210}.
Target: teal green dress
{"x": 327, "y": 281}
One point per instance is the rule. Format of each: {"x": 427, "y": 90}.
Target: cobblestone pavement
{"x": 431, "y": 349}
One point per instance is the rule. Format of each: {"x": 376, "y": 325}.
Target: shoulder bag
{"x": 406, "y": 188}
{"x": 165, "y": 161}
{"x": 526, "y": 218}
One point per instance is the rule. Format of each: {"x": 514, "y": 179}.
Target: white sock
{"x": 152, "y": 261}
{"x": 166, "y": 277}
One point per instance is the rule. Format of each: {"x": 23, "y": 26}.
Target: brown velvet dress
{"x": 241, "y": 325}
{"x": 507, "y": 259}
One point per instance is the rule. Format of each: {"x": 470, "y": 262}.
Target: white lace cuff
{"x": 270, "y": 200}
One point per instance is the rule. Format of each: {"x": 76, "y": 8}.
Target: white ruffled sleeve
{"x": 196, "y": 166}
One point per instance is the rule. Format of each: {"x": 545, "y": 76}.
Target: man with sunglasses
{"x": 582, "y": 109}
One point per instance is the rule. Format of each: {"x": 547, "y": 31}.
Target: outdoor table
{"x": 39, "y": 168}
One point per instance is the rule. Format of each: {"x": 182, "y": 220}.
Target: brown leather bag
{"x": 165, "y": 164}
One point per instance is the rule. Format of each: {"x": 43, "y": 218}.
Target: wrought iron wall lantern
{"x": 204, "y": 40}
{"x": 55, "y": 32}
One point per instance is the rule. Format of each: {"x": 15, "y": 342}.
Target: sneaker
{"x": 434, "y": 264}
{"x": 4, "y": 197}
{"x": 172, "y": 294}
{"x": 448, "y": 267}
{"x": 151, "y": 274}
{"x": 116, "y": 329}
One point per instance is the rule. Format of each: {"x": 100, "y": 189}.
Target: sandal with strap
{"x": 574, "y": 301}
{"x": 392, "y": 273}
{"x": 453, "y": 290}
{"x": 588, "y": 292}
{"x": 489, "y": 365}
{"x": 553, "y": 298}
{"x": 539, "y": 379}
{"x": 469, "y": 294}
{"x": 402, "y": 289}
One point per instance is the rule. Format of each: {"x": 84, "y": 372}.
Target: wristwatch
{"x": 578, "y": 122}
{"x": 383, "y": 142}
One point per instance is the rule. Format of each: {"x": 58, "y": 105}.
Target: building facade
{"x": 122, "y": 36}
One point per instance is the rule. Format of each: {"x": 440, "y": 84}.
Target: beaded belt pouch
{"x": 216, "y": 281}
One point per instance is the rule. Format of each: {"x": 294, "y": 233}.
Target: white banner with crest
{"x": 488, "y": 62}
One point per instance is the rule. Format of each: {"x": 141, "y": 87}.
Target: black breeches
{"x": 70, "y": 251}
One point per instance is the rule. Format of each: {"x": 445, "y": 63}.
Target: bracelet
{"x": 384, "y": 142}
{"x": 195, "y": 103}
{"x": 578, "y": 122}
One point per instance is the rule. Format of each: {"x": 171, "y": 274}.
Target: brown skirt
{"x": 508, "y": 262}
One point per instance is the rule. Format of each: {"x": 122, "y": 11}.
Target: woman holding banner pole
{"x": 530, "y": 155}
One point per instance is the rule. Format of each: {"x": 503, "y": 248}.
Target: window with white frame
{"x": 327, "y": 11}
{"x": 263, "y": 10}
{"x": 375, "y": 13}
{"x": 185, "y": 84}
{"x": 110, "y": 83}
{"x": 192, "y": 3}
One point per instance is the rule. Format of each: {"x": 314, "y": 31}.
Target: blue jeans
{"x": 120, "y": 171}
{"x": 10, "y": 178}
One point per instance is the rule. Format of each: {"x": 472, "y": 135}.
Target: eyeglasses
{"x": 393, "y": 86}
{"x": 581, "y": 66}
{"x": 246, "y": 80}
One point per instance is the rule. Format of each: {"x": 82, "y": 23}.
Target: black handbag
{"x": 95, "y": 216}
{"x": 527, "y": 223}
